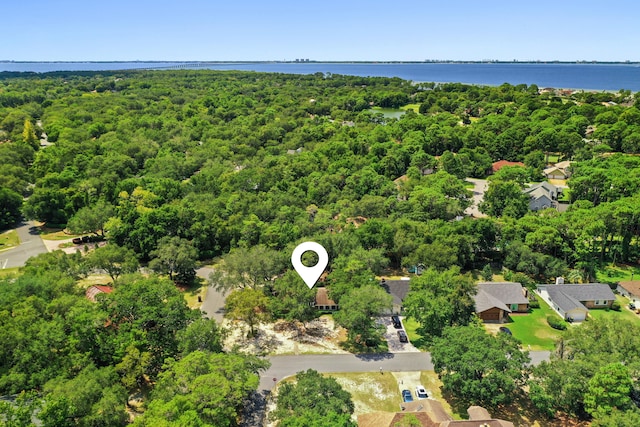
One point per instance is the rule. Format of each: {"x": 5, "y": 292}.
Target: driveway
{"x": 30, "y": 245}
{"x": 391, "y": 335}
{"x": 479, "y": 188}
{"x": 213, "y": 304}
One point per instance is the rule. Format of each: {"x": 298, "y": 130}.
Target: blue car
{"x": 406, "y": 396}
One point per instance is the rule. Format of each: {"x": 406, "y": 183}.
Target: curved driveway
{"x": 30, "y": 245}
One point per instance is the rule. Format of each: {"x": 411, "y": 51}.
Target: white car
{"x": 421, "y": 393}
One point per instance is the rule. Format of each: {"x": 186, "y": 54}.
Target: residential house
{"x": 572, "y": 302}
{"x": 430, "y": 413}
{"x": 93, "y": 291}
{"x": 554, "y": 172}
{"x": 630, "y": 289}
{"x": 496, "y": 166}
{"x": 494, "y": 301}
{"x": 323, "y": 302}
{"x": 542, "y": 195}
{"x": 398, "y": 289}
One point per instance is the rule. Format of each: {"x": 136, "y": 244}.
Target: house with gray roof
{"x": 494, "y": 301}
{"x": 398, "y": 289}
{"x": 542, "y": 195}
{"x": 572, "y": 302}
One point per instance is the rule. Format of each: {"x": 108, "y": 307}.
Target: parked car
{"x": 406, "y": 396}
{"x": 505, "y": 330}
{"x": 396, "y": 321}
{"x": 632, "y": 306}
{"x": 421, "y": 393}
{"x": 402, "y": 336}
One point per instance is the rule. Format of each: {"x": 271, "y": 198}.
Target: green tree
{"x": 176, "y": 257}
{"x": 93, "y": 397}
{"x": 440, "y": 299}
{"x": 292, "y": 300}
{"x": 313, "y": 400}
{"x": 115, "y": 260}
{"x": 201, "y": 335}
{"x": 20, "y": 412}
{"x": 91, "y": 219}
{"x": 203, "y": 389}
{"x": 10, "y": 206}
{"x": 630, "y": 418}
{"x": 505, "y": 198}
{"x": 478, "y": 368}
{"x": 609, "y": 389}
{"x": 29, "y": 135}
{"x": 357, "y": 310}
{"x": 252, "y": 268}
{"x": 247, "y": 305}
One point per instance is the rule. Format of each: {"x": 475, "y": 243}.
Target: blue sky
{"x": 410, "y": 30}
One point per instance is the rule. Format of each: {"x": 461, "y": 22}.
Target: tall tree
{"x": 248, "y": 305}
{"x": 10, "y": 205}
{"x": 313, "y": 400}
{"x": 357, "y": 310}
{"x": 115, "y": 260}
{"x": 440, "y": 299}
{"x": 247, "y": 268}
{"x": 478, "y": 368}
{"x": 176, "y": 257}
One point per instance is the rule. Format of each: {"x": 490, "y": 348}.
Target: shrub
{"x": 615, "y": 306}
{"x": 556, "y": 323}
{"x": 534, "y": 303}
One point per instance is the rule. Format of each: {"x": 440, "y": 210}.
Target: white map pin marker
{"x": 310, "y": 275}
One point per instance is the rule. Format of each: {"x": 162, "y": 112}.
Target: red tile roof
{"x": 94, "y": 290}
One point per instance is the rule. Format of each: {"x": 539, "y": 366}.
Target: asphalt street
{"x": 30, "y": 245}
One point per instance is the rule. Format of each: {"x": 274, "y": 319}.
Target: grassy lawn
{"x": 624, "y": 314}
{"x": 9, "y": 239}
{"x": 410, "y": 326}
{"x": 414, "y": 107}
{"x": 55, "y": 234}
{"x": 370, "y": 391}
{"x": 9, "y": 272}
{"x": 533, "y": 330}
{"x": 617, "y": 273}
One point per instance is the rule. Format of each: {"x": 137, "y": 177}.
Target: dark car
{"x": 395, "y": 320}
{"x": 406, "y": 396}
{"x": 632, "y": 305}
{"x": 402, "y": 336}
{"x": 505, "y": 330}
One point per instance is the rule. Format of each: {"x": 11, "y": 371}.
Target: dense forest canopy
{"x": 177, "y": 166}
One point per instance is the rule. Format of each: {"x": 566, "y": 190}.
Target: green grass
{"x": 9, "y": 272}
{"x": 370, "y": 391}
{"x": 624, "y": 314}
{"x": 9, "y": 239}
{"x": 410, "y": 327}
{"x": 533, "y": 330}
{"x": 617, "y": 273}
{"x": 55, "y": 234}
{"x": 414, "y": 107}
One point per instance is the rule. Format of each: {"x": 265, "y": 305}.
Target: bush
{"x": 556, "y": 323}
{"x": 534, "y": 303}
{"x": 615, "y": 306}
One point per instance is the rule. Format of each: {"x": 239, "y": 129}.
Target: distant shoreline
{"x": 328, "y": 62}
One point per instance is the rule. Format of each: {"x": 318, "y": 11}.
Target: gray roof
{"x": 569, "y": 297}
{"x": 507, "y": 292}
{"x": 485, "y": 301}
{"x": 398, "y": 289}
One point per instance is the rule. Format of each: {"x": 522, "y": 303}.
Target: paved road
{"x": 285, "y": 366}
{"x": 30, "y": 245}
{"x": 479, "y": 188}
{"x": 213, "y": 304}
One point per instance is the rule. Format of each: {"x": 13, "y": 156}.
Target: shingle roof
{"x": 496, "y": 166}
{"x": 569, "y": 297}
{"x": 398, "y": 289}
{"x": 632, "y": 286}
{"x": 507, "y": 292}
{"x": 322, "y": 297}
{"x": 485, "y": 301}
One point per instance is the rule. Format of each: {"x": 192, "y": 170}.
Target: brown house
{"x": 323, "y": 302}
{"x": 495, "y": 301}
{"x": 630, "y": 289}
